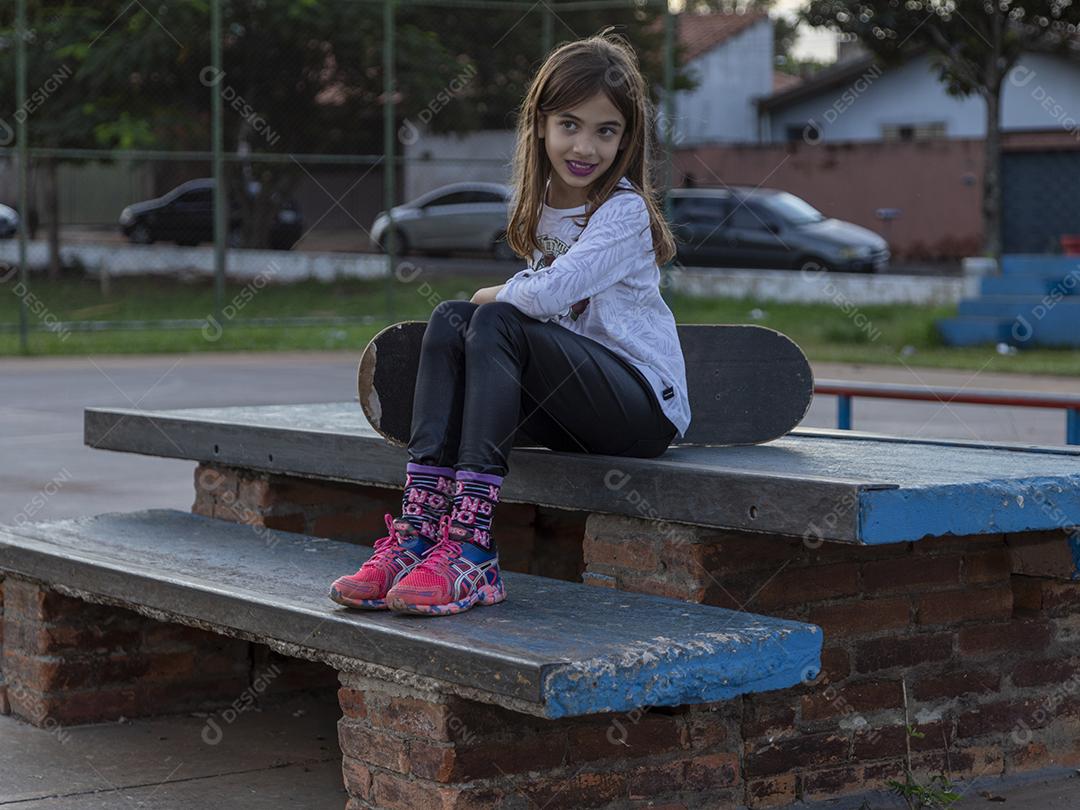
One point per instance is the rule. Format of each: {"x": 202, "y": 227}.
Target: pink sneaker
{"x": 395, "y": 556}
{"x": 451, "y": 578}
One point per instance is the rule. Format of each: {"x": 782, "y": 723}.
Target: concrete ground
{"x": 284, "y": 756}
{"x": 43, "y": 401}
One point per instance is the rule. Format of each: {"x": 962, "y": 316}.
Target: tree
{"x": 974, "y": 45}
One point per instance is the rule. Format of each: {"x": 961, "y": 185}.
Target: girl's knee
{"x": 450, "y": 318}
{"x": 493, "y": 312}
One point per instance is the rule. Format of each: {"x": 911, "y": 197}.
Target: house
{"x": 731, "y": 58}
{"x": 857, "y": 99}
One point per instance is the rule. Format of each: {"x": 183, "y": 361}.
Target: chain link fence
{"x": 239, "y": 145}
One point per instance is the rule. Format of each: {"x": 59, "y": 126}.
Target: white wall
{"x": 495, "y": 147}
{"x": 912, "y": 94}
{"x": 731, "y": 75}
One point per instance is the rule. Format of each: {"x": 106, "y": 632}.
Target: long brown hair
{"x": 572, "y": 74}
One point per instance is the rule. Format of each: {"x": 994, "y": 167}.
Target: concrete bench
{"x": 942, "y": 569}
{"x": 556, "y": 649}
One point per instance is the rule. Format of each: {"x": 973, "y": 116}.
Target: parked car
{"x": 9, "y": 222}
{"x": 460, "y": 216}
{"x": 761, "y": 227}
{"x": 185, "y": 215}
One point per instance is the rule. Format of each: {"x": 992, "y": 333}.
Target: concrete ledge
{"x": 553, "y": 649}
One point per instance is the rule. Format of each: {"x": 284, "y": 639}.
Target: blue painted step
{"x": 1027, "y": 285}
{"x": 973, "y": 331}
{"x": 1037, "y": 265}
{"x": 1030, "y": 307}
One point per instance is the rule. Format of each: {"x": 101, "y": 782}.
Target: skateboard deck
{"x": 747, "y": 384}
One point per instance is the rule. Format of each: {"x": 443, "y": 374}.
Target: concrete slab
{"x": 553, "y": 649}
{"x": 844, "y": 486}
{"x": 281, "y": 756}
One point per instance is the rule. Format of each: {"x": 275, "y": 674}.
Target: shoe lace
{"x": 386, "y": 547}
{"x": 445, "y": 549}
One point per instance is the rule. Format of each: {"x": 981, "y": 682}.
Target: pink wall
{"x": 936, "y": 183}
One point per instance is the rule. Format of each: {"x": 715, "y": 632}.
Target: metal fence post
{"x": 217, "y": 147}
{"x": 21, "y": 146}
{"x": 1072, "y": 426}
{"x": 389, "y": 160}
{"x": 843, "y": 411}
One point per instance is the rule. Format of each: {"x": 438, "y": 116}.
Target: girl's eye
{"x": 608, "y": 130}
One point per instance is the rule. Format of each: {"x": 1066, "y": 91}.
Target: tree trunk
{"x": 52, "y": 206}
{"x": 992, "y": 169}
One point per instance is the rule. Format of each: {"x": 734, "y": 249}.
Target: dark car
{"x": 185, "y": 215}
{"x": 761, "y": 227}
{"x": 9, "y": 222}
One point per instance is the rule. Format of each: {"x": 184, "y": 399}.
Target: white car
{"x": 461, "y": 216}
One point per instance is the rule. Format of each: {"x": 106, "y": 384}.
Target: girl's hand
{"x": 486, "y": 295}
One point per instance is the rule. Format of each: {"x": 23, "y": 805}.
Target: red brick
{"x": 869, "y": 617}
{"x": 373, "y": 747}
{"x": 998, "y": 718}
{"x": 712, "y": 771}
{"x": 827, "y": 784}
{"x": 987, "y": 567}
{"x": 711, "y": 727}
{"x": 951, "y": 684}
{"x": 996, "y": 639}
{"x": 312, "y": 492}
{"x": 768, "y": 715}
{"x": 799, "y": 586}
{"x": 603, "y": 555}
{"x": 623, "y": 738}
{"x": 412, "y": 717}
{"x": 582, "y": 789}
{"x": 965, "y": 544}
{"x": 1054, "y": 672}
{"x": 804, "y": 751}
{"x": 390, "y": 792}
{"x": 772, "y": 791}
{"x": 352, "y": 703}
{"x": 655, "y": 779}
{"x": 889, "y": 741}
{"x": 970, "y": 604}
{"x": 910, "y": 575}
{"x": 835, "y": 663}
{"x": 831, "y": 700}
{"x": 512, "y": 756}
{"x": 357, "y": 777}
{"x": 1046, "y": 596}
{"x": 1042, "y": 554}
{"x": 903, "y": 651}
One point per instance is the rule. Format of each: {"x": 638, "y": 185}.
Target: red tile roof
{"x": 699, "y": 33}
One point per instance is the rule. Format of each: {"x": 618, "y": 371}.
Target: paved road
{"x": 47, "y": 472}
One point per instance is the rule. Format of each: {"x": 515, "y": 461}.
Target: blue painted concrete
{"x": 774, "y": 654}
{"x": 1035, "y": 302}
{"x": 1005, "y": 505}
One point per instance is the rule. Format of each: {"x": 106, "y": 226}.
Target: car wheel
{"x": 501, "y": 250}
{"x": 811, "y": 265}
{"x": 400, "y": 240}
{"x": 141, "y": 235}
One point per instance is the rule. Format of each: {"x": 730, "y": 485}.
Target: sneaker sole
{"x": 488, "y": 595}
{"x": 365, "y": 604}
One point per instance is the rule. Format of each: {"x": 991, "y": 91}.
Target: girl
{"x": 578, "y": 351}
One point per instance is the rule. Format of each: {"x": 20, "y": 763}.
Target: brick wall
{"x": 987, "y": 654}
{"x": 65, "y": 661}
{"x": 532, "y": 540}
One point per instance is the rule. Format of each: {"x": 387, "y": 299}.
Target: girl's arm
{"x": 610, "y": 247}
{"x": 485, "y": 295}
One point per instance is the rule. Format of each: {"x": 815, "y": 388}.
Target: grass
{"x": 889, "y": 335}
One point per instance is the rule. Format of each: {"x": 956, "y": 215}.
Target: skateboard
{"x": 748, "y": 384}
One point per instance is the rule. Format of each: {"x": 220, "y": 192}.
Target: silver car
{"x": 461, "y": 216}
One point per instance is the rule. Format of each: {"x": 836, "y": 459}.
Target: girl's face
{"x": 581, "y": 144}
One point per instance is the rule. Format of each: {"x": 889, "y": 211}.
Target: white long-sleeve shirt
{"x": 610, "y": 263}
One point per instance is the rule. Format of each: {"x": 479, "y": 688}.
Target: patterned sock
{"x": 474, "y": 508}
{"x": 429, "y": 492}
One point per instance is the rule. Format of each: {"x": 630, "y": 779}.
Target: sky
{"x": 813, "y": 43}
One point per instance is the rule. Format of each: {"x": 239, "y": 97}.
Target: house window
{"x": 809, "y": 132}
{"x": 913, "y": 132}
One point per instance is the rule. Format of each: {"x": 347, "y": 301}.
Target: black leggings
{"x": 488, "y": 371}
